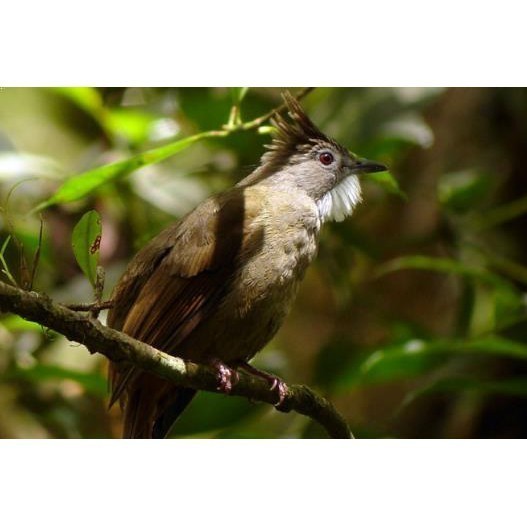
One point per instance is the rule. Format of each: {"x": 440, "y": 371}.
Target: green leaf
{"x": 89, "y": 99}
{"x": 399, "y": 361}
{"x": 386, "y": 181}
{"x": 133, "y": 125}
{"x": 416, "y": 356}
{"x": 14, "y": 323}
{"x": 86, "y": 240}
{"x": 82, "y": 185}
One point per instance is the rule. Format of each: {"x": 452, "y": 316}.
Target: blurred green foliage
{"x": 413, "y": 318}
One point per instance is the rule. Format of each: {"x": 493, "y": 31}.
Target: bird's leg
{"x": 276, "y": 383}
{"x": 226, "y": 376}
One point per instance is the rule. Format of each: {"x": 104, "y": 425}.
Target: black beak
{"x": 365, "y": 166}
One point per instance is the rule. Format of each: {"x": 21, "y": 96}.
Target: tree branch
{"x": 118, "y": 346}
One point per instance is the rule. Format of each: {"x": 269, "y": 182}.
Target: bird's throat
{"x": 340, "y": 202}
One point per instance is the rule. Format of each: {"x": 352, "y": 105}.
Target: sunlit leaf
{"x": 394, "y": 362}
{"x": 15, "y": 323}
{"x": 89, "y": 99}
{"x": 86, "y": 240}
{"x": 130, "y": 124}
{"x": 82, "y": 185}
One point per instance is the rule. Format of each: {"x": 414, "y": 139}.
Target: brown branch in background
{"x": 118, "y": 346}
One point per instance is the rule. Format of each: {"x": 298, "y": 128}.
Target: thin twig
{"x": 89, "y": 306}
{"x": 36, "y": 256}
{"x": 5, "y": 267}
{"x": 255, "y": 123}
{"x": 233, "y": 126}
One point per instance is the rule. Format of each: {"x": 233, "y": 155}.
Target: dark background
{"x": 412, "y": 320}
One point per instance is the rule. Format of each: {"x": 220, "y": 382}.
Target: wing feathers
{"x": 176, "y": 282}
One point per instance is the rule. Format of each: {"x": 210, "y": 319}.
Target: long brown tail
{"x": 139, "y": 414}
{"x": 151, "y": 407}
{"x": 181, "y": 398}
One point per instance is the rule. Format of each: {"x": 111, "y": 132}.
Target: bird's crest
{"x": 296, "y": 135}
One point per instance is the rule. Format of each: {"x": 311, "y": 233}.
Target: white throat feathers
{"x": 340, "y": 202}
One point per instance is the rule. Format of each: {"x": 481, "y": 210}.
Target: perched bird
{"x": 216, "y": 286}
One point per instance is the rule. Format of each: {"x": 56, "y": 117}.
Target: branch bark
{"x": 118, "y": 346}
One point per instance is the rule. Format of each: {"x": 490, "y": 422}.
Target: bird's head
{"x": 301, "y": 156}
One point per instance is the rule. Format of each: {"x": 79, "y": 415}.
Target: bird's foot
{"x": 277, "y": 384}
{"x": 227, "y": 377}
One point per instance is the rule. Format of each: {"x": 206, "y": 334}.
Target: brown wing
{"x": 180, "y": 277}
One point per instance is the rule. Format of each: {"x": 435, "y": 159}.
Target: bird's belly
{"x": 258, "y": 301}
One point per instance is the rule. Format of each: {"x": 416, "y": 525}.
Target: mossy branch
{"x": 118, "y": 346}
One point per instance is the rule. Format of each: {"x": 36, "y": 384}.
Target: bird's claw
{"x": 281, "y": 387}
{"x": 227, "y": 377}
{"x": 276, "y": 383}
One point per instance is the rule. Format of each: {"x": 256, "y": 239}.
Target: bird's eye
{"x": 326, "y": 158}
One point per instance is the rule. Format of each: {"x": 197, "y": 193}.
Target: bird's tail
{"x": 179, "y": 400}
{"x": 151, "y": 407}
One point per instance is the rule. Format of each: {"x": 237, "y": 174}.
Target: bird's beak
{"x": 365, "y": 166}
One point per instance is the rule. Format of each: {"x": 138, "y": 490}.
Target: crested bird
{"x": 215, "y": 286}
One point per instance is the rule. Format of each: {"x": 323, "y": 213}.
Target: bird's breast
{"x": 289, "y": 244}
{"x": 266, "y": 284}
{"x": 280, "y": 242}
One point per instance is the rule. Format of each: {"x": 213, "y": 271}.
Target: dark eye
{"x": 326, "y": 158}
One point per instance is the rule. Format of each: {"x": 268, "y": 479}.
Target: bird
{"x": 215, "y": 286}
